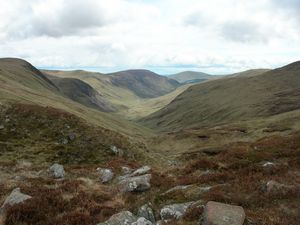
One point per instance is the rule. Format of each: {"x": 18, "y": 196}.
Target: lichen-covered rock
{"x": 106, "y": 175}
{"x": 216, "y": 213}
{"x": 146, "y": 212}
{"x": 175, "y": 211}
{"x": 57, "y": 171}
{"x": 122, "y": 218}
{"x": 135, "y": 184}
{"x": 16, "y": 197}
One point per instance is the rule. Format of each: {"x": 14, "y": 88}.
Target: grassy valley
{"x": 233, "y": 140}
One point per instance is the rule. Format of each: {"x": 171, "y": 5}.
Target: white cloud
{"x": 215, "y": 36}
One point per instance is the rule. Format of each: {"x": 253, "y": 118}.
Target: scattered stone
{"x": 216, "y": 213}
{"x": 141, "y": 171}
{"x": 142, "y": 221}
{"x": 64, "y": 141}
{"x": 106, "y": 175}
{"x": 269, "y": 167}
{"x": 7, "y": 120}
{"x": 125, "y": 170}
{"x": 71, "y": 136}
{"x": 175, "y": 211}
{"x": 122, "y": 218}
{"x": 135, "y": 184}
{"x": 117, "y": 151}
{"x": 1, "y": 127}
{"x": 57, "y": 171}
{"x": 16, "y": 197}
{"x": 146, "y": 212}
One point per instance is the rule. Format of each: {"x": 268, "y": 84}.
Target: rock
{"x": 71, "y": 136}
{"x": 146, "y": 212}
{"x": 106, "y": 175}
{"x": 57, "y": 171}
{"x": 175, "y": 211}
{"x": 142, "y": 221}
{"x": 269, "y": 167}
{"x": 126, "y": 170}
{"x": 64, "y": 141}
{"x": 135, "y": 184}
{"x": 141, "y": 171}
{"x": 16, "y": 197}
{"x": 122, "y": 218}
{"x": 216, "y": 213}
{"x": 1, "y": 127}
{"x": 117, "y": 151}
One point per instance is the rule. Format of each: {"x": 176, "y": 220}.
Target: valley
{"x": 133, "y": 140}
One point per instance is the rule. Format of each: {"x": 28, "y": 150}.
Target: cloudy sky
{"x": 166, "y": 36}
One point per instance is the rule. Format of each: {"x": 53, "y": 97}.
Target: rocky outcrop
{"x": 146, "y": 212}
{"x": 135, "y": 184}
{"x": 216, "y": 213}
{"x": 57, "y": 171}
{"x": 16, "y": 197}
{"x": 106, "y": 175}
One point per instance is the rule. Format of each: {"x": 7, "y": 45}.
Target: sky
{"x": 165, "y": 36}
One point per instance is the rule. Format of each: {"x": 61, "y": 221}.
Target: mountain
{"x": 81, "y": 92}
{"x": 144, "y": 83}
{"x": 189, "y": 77}
{"x": 232, "y": 99}
{"x": 22, "y": 83}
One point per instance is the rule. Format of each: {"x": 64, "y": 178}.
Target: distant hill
{"x": 189, "y": 77}
{"x": 144, "y": 83}
{"x": 232, "y": 99}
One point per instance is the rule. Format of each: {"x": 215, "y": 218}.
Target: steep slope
{"x": 189, "y": 77}
{"x": 81, "y": 92}
{"x": 232, "y": 99}
{"x": 144, "y": 83}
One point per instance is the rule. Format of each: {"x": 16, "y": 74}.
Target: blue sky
{"x": 169, "y": 36}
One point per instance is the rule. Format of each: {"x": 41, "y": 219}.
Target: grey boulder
{"x": 135, "y": 184}
{"x": 16, "y": 197}
{"x": 146, "y": 212}
{"x": 216, "y": 213}
{"x": 122, "y": 218}
{"x": 106, "y": 175}
{"x": 57, "y": 171}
